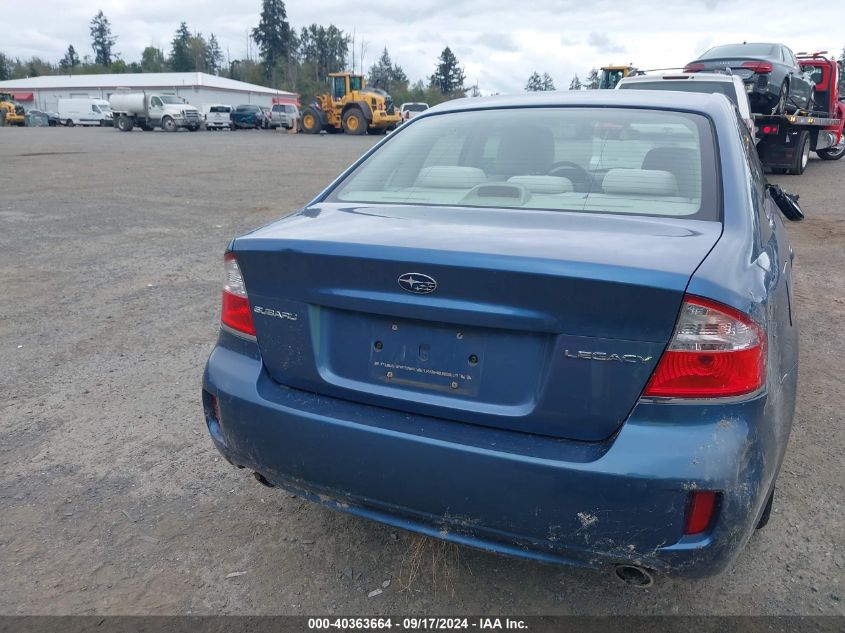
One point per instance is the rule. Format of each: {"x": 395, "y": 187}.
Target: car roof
{"x": 707, "y": 104}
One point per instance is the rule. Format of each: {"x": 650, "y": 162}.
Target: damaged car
{"x": 558, "y": 327}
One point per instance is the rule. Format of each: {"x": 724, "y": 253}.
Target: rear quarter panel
{"x": 749, "y": 269}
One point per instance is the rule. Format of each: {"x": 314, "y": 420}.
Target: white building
{"x": 198, "y": 89}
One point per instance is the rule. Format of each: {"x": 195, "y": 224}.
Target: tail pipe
{"x": 634, "y": 575}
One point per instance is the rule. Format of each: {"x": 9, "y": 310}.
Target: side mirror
{"x": 787, "y": 203}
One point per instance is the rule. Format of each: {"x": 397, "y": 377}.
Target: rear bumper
{"x": 622, "y": 500}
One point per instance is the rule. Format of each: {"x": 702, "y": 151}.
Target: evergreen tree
{"x": 535, "y": 83}
{"x": 548, "y": 82}
{"x": 181, "y": 59}
{"x": 5, "y": 68}
{"x": 593, "y": 79}
{"x": 102, "y": 39}
{"x": 575, "y": 84}
{"x": 273, "y": 35}
{"x": 70, "y": 60}
{"x": 214, "y": 56}
{"x": 448, "y": 77}
{"x": 152, "y": 60}
{"x": 386, "y": 75}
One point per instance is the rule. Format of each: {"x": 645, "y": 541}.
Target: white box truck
{"x": 84, "y": 111}
{"x": 149, "y": 110}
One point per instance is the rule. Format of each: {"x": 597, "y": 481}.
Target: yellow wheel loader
{"x": 350, "y": 108}
{"x": 612, "y": 75}
{"x": 14, "y": 112}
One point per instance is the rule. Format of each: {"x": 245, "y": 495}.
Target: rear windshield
{"x": 739, "y": 50}
{"x": 220, "y": 109}
{"x": 415, "y": 107}
{"x": 686, "y": 85}
{"x": 595, "y": 160}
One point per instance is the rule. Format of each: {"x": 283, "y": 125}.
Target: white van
{"x": 85, "y": 111}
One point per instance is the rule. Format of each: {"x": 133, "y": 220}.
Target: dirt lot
{"x": 114, "y": 500}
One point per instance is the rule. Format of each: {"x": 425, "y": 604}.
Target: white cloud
{"x": 499, "y": 42}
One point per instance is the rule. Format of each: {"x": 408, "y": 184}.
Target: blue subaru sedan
{"x": 558, "y": 327}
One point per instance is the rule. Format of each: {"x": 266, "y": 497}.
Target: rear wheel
{"x": 354, "y": 122}
{"x": 801, "y": 156}
{"x": 125, "y": 124}
{"x": 311, "y": 121}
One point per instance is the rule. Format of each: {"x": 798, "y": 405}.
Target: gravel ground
{"x": 114, "y": 500}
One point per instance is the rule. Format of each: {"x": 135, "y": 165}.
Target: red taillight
{"x": 235, "y": 313}
{"x": 715, "y": 352}
{"x": 702, "y": 507}
{"x": 693, "y": 68}
{"x": 770, "y": 129}
{"x": 758, "y": 67}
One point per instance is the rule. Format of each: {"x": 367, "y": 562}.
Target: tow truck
{"x": 786, "y": 140}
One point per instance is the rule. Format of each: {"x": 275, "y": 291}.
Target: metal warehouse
{"x": 198, "y": 89}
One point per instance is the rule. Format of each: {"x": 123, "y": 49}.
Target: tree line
{"x": 298, "y": 61}
{"x": 286, "y": 59}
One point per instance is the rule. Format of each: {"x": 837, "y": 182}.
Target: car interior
{"x": 638, "y": 162}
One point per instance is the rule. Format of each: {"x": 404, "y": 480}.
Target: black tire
{"x": 783, "y": 98}
{"x": 802, "y": 154}
{"x": 354, "y": 122}
{"x": 125, "y": 124}
{"x": 69, "y": 123}
{"x": 767, "y": 511}
{"x": 193, "y": 128}
{"x": 168, "y": 124}
{"x": 147, "y": 128}
{"x": 833, "y": 153}
{"x": 377, "y": 131}
{"x": 311, "y": 121}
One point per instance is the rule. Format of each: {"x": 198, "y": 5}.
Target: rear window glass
{"x": 415, "y": 107}
{"x": 686, "y": 85}
{"x": 593, "y": 160}
{"x": 740, "y": 51}
{"x": 220, "y": 109}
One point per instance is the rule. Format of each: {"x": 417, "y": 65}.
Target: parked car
{"x": 218, "y": 117}
{"x": 554, "y": 326}
{"x": 729, "y": 85}
{"x": 247, "y": 116}
{"x": 36, "y": 118}
{"x": 52, "y": 117}
{"x": 773, "y": 79}
{"x": 285, "y": 115}
{"x": 411, "y": 109}
{"x": 267, "y": 121}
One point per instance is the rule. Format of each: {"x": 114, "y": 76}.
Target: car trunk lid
{"x": 534, "y": 321}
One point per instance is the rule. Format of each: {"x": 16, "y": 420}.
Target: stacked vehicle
{"x": 795, "y": 100}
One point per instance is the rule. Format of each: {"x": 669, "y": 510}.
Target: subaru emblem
{"x": 417, "y": 283}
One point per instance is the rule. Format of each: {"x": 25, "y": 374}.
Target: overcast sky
{"x": 499, "y": 42}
